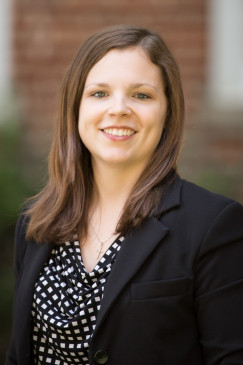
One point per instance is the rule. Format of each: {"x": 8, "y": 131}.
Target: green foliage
{"x": 221, "y": 182}
{"x": 14, "y": 187}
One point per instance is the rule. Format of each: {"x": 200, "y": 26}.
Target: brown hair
{"x": 63, "y": 205}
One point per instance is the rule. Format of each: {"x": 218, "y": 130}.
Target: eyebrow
{"x": 99, "y": 84}
{"x": 136, "y": 85}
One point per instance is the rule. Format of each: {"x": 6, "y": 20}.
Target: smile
{"x": 120, "y": 132}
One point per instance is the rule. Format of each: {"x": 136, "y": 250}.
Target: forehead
{"x": 128, "y": 63}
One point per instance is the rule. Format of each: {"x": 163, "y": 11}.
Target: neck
{"x": 114, "y": 184}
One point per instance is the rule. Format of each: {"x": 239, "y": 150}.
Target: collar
{"x": 171, "y": 197}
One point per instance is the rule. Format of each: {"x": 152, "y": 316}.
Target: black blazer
{"x": 174, "y": 295}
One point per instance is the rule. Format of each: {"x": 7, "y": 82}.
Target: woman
{"x": 119, "y": 261}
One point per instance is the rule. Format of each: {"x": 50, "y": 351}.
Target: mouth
{"x": 119, "y": 132}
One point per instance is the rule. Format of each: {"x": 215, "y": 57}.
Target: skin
{"x": 123, "y": 109}
{"x": 121, "y": 119}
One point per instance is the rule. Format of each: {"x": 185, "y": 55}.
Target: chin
{"x": 116, "y": 158}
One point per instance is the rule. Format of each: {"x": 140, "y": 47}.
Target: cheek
{"x": 161, "y": 120}
{"x": 82, "y": 120}
{"x": 156, "y": 129}
{"x": 82, "y": 128}
{"x": 156, "y": 121}
{"x": 84, "y": 136}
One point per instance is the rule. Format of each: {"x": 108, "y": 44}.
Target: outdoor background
{"x": 39, "y": 38}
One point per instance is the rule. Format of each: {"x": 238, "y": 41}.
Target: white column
{"x": 225, "y": 72}
{"x": 5, "y": 54}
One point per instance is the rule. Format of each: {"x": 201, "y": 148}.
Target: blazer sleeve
{"x": 19, "y": 251}
{"x": 219, "y": 288}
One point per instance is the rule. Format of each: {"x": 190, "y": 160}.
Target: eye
{"x": 99, "y": 94}
{"x": 142, "y": 96}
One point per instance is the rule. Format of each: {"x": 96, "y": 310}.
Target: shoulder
{"x": 20, "y": 243}
{"x": 198, "y": 210}
{"x": 190, "y": 197}
{"x": 191, "y": 191}
{"x": 198, "y": 199}
{"x": 218, "y": 220}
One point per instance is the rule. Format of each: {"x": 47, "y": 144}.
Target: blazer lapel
{"x": 134, "y": 251}
{"x": 35, "y": 258}
{"x": 136, "y": 248}
{"x": 171, "y": 198}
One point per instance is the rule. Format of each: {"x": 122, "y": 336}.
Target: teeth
{"x": 119, "y": 132}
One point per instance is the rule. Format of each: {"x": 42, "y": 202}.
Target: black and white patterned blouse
{"x": 65, "y": 304}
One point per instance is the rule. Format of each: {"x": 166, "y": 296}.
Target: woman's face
{"x": 123, "y": 109}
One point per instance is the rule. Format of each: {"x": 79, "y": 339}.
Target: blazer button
{"x": 101, "y": 357}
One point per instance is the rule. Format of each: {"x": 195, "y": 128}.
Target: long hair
{"x": 62, "y": 207}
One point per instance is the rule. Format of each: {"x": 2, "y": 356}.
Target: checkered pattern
{"x": 66, "y": 302}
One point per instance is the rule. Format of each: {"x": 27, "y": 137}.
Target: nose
{"x": 119, "y": 106}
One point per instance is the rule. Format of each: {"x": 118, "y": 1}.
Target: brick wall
{"x": 47, "y": 34}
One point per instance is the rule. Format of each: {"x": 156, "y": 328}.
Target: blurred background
{"x": 38, "y": 39}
